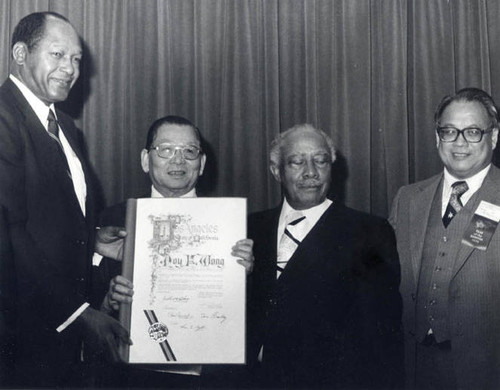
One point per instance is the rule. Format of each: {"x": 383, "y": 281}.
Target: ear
{"x": 202, "y": 163}
{"x": 275, "y": 170}
{"x": 494, "y": 139}
{"x": 437, "y": 140}
{"x": 19, "y": 52}
{"x": 145, "y": 160}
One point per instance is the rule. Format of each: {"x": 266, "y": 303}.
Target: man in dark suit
{"x": 324, "y": 308}
{"x": 449, "y": 247}
{"x": 48, "y": 205}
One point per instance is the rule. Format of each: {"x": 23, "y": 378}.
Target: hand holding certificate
{"x": 189, "y": 300}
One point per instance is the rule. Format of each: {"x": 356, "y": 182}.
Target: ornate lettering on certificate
{"x": 189, "y": 300}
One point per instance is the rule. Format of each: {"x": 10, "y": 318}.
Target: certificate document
{"x": 189, "y": 292}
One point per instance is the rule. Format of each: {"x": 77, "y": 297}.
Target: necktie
{"x": 455, "y": 204}
{"x": 53, "y": 129}
{"x": 288, "y": 243}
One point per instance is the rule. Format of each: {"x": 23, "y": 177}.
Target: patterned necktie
{"x": 455, "y": 204}
{"x": 288, "y": 243}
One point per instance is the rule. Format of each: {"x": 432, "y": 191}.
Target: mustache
{"x": 309, "y": 183}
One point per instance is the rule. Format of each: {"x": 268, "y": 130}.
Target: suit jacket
{"x": 52, "y": 241}
{"x": 474, "y": 291}
{"x": 332, "y": 319}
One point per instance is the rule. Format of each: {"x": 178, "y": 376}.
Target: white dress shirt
{"x": 303, "y": 228}
{"x": 474, "y": 183}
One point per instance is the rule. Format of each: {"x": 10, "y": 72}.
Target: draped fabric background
{"x": 368, "y": 72}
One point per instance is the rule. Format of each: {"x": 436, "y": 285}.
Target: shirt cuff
{"x": 73, "y": 317}
{"x": 96, "y": 259}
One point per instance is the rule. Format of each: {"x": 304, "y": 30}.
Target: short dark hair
{"x": 470, "y": 95}
{"x": 31, "y": 28}
{"x": 169, "y": 120}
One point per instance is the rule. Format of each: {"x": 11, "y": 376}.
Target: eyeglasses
{"x": 189, "y": 152}
{"x": 471, "y": 134}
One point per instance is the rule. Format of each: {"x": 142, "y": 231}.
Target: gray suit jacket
{"x": 474, "y": 292}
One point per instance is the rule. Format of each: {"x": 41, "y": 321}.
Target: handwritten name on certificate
{"x": 189, "y": 292}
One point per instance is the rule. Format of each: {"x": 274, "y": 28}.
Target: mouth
{"x": 459, "y": 155}
{"x": 309, "y": 186}
{"x": 63, "y": 83}
{"x": 176, "y": 173}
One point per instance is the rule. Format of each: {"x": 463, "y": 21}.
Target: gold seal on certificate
{"x": 189, "y": 299}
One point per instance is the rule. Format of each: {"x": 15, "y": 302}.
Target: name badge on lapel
{"x": 482, "y": 226}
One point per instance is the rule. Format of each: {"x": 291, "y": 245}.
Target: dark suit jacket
{"x": 51, "y": 239}
{"x": 332, "y": 319}
{"x": 474, "y": 292}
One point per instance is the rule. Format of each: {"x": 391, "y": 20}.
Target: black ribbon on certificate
{"x": 158, "y": 332}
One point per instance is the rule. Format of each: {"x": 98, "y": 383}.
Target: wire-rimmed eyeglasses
{"x": 471, "y": 134}
{"x": 166, "y": 150}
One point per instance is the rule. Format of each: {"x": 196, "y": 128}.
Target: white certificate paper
{"x": 189, "y": 292}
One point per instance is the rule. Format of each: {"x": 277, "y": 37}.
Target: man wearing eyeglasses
{"x": 174, "y": 160}
{"x": 449, "y": 247}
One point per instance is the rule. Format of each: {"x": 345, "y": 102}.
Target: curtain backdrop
{"x": 370, "y": 73}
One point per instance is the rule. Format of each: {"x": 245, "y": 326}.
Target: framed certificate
{"x": 189, "y": 292}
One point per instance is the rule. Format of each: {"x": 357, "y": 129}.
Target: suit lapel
{"x": 47, "y": 153}
{"x": 420, "y": 208}
{"x": 300, "y": 262}
{"x": 489, "y": 192}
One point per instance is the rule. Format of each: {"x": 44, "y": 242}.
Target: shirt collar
{"x": 312, "y": 214}
{"x": 40, "y": 108}
{"x": 156, "y": 194}
{"x": 473, "y": 182}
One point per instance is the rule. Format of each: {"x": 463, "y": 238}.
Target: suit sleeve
{"x": 43, "y": 289}
{"x": 385, "y": 308}
{"x": 394, "y": 210}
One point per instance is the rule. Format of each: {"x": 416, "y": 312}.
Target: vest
{"x": 441, "y": 247}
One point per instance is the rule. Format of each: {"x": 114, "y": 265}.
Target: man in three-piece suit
{"x": 324, "y": 308}
{"x": 450, "y": 262}
{"x": 48, "y": 207}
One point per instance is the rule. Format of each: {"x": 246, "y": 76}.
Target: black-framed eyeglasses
{"x": 471, "y": 134}
{"x": 166, "y": 150}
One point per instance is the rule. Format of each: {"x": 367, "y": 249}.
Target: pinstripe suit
{"x": 474, "y": 285}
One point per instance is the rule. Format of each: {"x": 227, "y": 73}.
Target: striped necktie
{"x": 455, "y": 204}
{"x": 288, "y": 243}
{"x": 53, "y": 128}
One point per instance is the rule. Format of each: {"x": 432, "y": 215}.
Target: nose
{"x": 177, "y": 158}
{"x": 67, "y": 65}
{"x": 461, "y": 141}
{"x": 310, "y": 170}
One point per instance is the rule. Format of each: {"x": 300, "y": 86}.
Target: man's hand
{"x": 243, "y": 249}
{"x": 109, "y": 242}
{"x": 120, "y": 290}
{"x": 102, "y": 335}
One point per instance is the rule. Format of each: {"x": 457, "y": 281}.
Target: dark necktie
{"x": 455, "y": 204}
{"x": 288, "y": 243}
{"x": 53, "y": 129}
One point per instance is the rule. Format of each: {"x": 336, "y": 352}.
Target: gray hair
{"x": 277, "y": 143}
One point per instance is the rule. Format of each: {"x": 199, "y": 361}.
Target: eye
{"x": 57, "y": 54}
{"x": 322, "y": 161}
{"x": 295, "y": 162}
{"x": 190, "y": 152}
{"x": 448, "y": 130}
{"x": 474, "y": 131}
{"x": 78, "y": 60}
{"x": 165, "y": 149}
